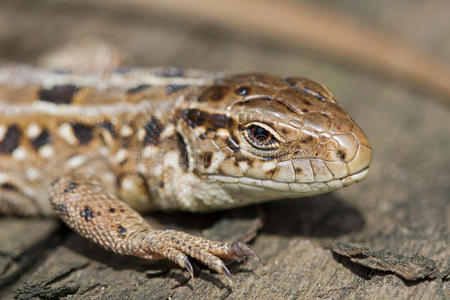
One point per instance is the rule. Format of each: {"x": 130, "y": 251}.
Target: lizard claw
{"x": 227, "y": 273}
{"x": 187, "y": 265}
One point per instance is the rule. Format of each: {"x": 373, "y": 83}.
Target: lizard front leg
{"x": 84, "y": 205}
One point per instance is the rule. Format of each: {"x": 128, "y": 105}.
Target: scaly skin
{"x": 93, "y": 149}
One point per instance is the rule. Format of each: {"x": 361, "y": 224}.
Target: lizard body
{"x": 97, "y": 148}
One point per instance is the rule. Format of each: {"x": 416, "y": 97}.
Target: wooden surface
{"x": 401, "y": 207}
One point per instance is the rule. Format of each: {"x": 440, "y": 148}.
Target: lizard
{"x": 97, "y": 149}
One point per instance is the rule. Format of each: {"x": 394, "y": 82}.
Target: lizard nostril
{"x": 341, "y": 154}
{"x": 348, "y": 146}
{"x": 361, "y": 160}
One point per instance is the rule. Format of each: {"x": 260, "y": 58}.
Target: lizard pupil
{"x": 260, "y": 135}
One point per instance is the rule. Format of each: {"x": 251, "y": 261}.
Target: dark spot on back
{"x": 122, "y": 230}
{"x": 305, "y": 110}
{"x": 138, "y": 89}
{"x": 306, "y": 102}
{"x": 170, "y": 72}
{"x": 107, "y": 125}
{"x": 202, "y": 136}
{"x": 214, "y": 93}
{"x": 112, "y": 210}
{"x": 184, "y": 158}
{"x": 60, "y": 94}
{"x": 153, "y": 130}
{"x": 11, "y": 139}
{"x": 83, "y": 132}
{"x": 72, "y": 185}
{"x": 341, "y": 154}
{"x": 42, "y": 139}
{"x": 195, "y": 118}
{"x": 233, "y": 143}
{"x": 172, "y": 88}
{"x": 8, "y": 186}
{"x": 87, "y": 213}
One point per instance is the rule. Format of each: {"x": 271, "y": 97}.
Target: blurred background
{"x": 387, "y": 63}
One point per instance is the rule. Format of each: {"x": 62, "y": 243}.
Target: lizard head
{"x": 264, "y": 137}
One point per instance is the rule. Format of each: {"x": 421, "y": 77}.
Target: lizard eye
{"x": 261, "y": 136}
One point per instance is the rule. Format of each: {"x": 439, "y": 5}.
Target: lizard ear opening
{"x": 184, "y": 154}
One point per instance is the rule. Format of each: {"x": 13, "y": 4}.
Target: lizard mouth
{"x": 291, "y": 188}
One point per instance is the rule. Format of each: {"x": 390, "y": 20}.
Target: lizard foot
{"x": 101, "y": 217}
{"x": 177, "y": 246}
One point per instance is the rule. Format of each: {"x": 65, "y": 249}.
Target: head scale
{"x": 264, "y": 137}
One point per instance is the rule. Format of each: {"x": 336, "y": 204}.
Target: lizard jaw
{"x": 288, "y": 189}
